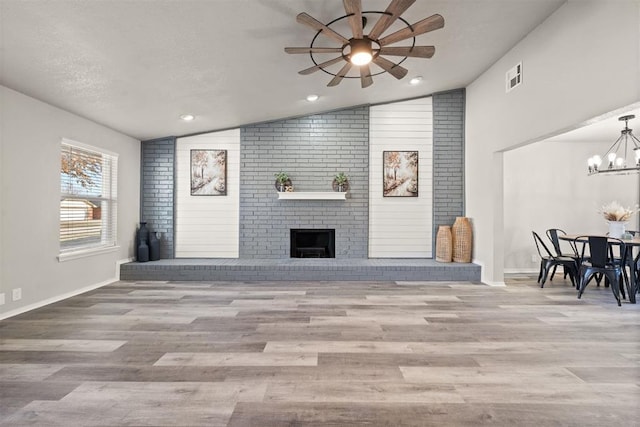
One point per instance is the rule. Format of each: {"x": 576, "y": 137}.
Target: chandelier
{"x": 619, "y": 158}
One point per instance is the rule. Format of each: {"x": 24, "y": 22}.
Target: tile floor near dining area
{"x": 324, "y": 354}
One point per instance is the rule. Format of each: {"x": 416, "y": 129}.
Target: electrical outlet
{"x": 1, "y": 298}
{"x": 17, "y": 294}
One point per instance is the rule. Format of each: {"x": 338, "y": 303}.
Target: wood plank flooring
{"x": 324, "y": 354}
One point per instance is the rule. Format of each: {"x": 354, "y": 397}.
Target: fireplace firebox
{"x": 312, "y": 243}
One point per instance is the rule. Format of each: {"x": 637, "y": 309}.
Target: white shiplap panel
{"x": 401, "y": 227}
{"x": 208, "y": 226}
{"x": 396, "y": 132}
{"x": 415, "y": 122}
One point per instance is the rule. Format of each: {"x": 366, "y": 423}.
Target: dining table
{"x": 630, "y": 243}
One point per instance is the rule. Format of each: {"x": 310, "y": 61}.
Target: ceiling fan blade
{"x": 415, "y": 51}
{"x": 321, "y": 65}
{"x": 354, "y": 8}
{"x": 313, "y": 49}
{"x": 394, "y": 69}
{"x": 343, "y": 72}
{"x": 365, "y": 76}
{"x": 394, "y": 10}
{"x": 307, "y": 19}
{"x": 434, "y": 22}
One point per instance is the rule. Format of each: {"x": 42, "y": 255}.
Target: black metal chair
{"x": 548, "y": 260}
{"x": 552, "y": 234}
{"x": 602, "y": 261}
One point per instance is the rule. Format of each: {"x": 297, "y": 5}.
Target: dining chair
{"x": 549, "y": 260}
{"x": 602, "y": 261}
{"x": 552, "y": 234}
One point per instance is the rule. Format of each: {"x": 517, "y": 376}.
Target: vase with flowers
{"x": 617, "y": 217}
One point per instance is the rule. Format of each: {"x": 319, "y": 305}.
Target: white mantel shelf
{"x": 312, "y": 195}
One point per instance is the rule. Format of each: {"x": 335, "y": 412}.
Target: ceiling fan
{"x": 362, "y": 49}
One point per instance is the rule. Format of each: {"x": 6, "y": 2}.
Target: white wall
{"x": 401, "y": 227}
{"x": 30, "y": 135}
{"x": 208, "y": 226}
{"x": 546, "y": 186}
{"x": 582, "y": 62}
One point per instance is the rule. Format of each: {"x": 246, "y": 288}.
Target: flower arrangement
{"x": 614, "y": 211}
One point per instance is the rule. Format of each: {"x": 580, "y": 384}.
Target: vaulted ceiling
{"x": 137, "y": 65}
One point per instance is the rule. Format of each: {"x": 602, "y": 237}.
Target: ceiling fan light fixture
{"x": 367, "y": 45}
{"x": 361, "y": 53}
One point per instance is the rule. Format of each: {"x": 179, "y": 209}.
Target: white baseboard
{"x": 66, "y": 295}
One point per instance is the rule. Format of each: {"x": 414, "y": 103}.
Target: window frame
{"x": 108, "y": 200}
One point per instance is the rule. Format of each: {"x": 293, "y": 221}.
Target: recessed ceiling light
{"x": 187, "y": 117}
{"x": 416, "y": 80}
{"x": 312, "y": 98}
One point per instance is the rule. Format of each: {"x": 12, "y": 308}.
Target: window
{"x": 88, "y": 198}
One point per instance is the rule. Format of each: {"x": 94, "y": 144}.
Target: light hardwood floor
{"x": 324, "y": 354}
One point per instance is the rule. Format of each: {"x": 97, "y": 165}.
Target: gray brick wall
{"x": 157, "y": 195}
{"x": 448, "y": 158}
{"x": 311, "y": 150}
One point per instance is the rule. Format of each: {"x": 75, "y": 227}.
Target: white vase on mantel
{"x": 616, "y": 228}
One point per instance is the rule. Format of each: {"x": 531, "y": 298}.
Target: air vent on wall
{"x": 514, "y": 77}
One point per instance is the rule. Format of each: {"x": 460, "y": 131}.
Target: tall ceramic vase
{"x": 154, "y": 246}
{"x": 444, "y": 244}
{"x": 462, "y": 239}
{"x": 142, "y": 246}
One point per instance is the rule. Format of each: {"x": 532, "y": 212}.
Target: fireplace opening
{"x": 309, "y": 243}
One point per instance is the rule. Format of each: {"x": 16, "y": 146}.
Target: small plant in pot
{"x": 341, "y": 181}
{"x": 282, "y": 180}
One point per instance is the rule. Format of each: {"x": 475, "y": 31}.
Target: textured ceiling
{"x": 136, "y": 66}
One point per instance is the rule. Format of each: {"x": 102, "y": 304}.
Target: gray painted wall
{"x": 31, "y": 131}
{"x": 311, "y": 150}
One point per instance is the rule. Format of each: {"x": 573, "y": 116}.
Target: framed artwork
{"x": 400, "y": 173}
{"x": 208, "y": 172}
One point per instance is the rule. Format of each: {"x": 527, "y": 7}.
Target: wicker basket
{"x": 444, "y": 244}
{"x": 462, "y": 239}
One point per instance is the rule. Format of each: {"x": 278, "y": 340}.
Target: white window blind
{"x": 88, "y": 197}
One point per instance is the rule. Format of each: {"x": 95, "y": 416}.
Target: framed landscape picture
{"x": 208, "y": 172}
{"x": 400, "y": 173}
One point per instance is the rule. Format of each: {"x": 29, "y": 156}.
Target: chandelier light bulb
{"x": 619, "y": 162}
{"x": 597, "y": 160}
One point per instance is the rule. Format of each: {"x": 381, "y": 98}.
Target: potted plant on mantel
{"x": 341, "y": 182}
{"x": 282, "y": 180}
